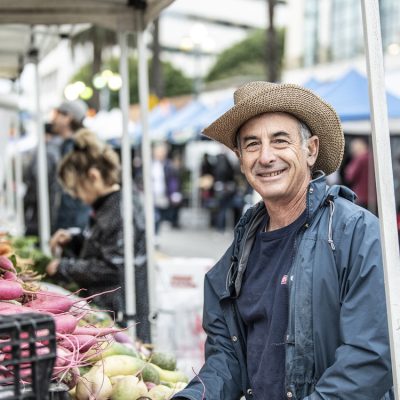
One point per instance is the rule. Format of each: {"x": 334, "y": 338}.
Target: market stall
{"x": 23, "y": 45}
{"x": 24, "y": 26}
{"x": 55, "y": 340}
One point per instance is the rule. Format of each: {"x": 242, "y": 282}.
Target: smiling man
{"x": 295, "y": 309}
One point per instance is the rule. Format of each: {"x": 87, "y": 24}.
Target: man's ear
{"x": 313, "y": 148}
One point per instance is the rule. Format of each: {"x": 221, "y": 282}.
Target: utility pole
{"x": 157, "y": 81}
{"x": 271, "y": 53}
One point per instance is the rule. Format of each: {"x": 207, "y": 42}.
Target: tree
{"x": 100, "y": 38}
{"x": 175, "y": 82}
{"x": 247, "y": 57}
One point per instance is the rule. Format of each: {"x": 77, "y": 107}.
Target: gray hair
{"x": 305, "y": 133}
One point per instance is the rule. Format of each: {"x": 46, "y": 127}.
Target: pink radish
{"x": 93, "y": 331}
{"x": 58, "y": 303}
{"x": 10, "y": 276}
{"x": 65, "y": 323}
{"x": 6, "y": 264}
{"x": 10, "y": 308}
{"x": 10, "y": 290}
{"x": 124, "y": 338}
{"x": 51, "y": 302}
{"x": 64, "y": 357}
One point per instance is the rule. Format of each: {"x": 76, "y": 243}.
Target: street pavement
{"x": 192, "y": 242}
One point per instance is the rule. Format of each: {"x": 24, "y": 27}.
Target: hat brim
{"x": 305, "y": 105}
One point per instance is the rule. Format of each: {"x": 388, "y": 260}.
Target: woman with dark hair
{"x": 91, "y": 172}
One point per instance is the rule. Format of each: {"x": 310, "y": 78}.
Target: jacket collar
{"x": 317, "y": 195}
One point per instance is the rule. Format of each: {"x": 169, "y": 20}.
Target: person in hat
{"x": 68, "y": 119}
{"x": 295, "y": 309}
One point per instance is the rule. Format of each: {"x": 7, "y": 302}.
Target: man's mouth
{"x": 270, "y": 174}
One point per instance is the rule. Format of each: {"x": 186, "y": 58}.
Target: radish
{"x": 95, "y": 386}
{"x": 65, "y": 323}
{"x": 50, "y": 302}
{"x": 64, "y": 357}
{"x": 6, "y": 264}
{"x": 10, "y": 276}
{"x": 124, "y": 338}
{"x": 93, "y": 331}
{"x": 8, "y": 308}
{"x": 10, "y": 290}
{"x": 70, "y": 377}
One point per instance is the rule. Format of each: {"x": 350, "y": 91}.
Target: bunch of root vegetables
{"x": 96, "y": 363}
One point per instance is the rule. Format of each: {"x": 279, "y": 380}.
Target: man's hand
{"x": 52, "y": 267}
{"x": 59, "y": 239}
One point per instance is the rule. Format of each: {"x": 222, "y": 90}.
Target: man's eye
{"x": 251, "y": 145}
{"x": 280, "y": 141}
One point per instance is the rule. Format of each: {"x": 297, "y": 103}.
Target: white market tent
{"x": 25, "y": 36}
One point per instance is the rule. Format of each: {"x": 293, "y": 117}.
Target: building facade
{"x": 325, "y": 37}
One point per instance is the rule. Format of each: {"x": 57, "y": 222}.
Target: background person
{"x": 91, "y": 172}
{"x": 68, "y": 119}
{"x": 296, "y": 307}
{"x": 31, "y": 213}
{"x": 359, "y": 173}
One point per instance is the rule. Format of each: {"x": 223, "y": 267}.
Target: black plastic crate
{"x": 27, "y": 356}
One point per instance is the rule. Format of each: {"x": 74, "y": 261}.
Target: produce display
{"x": 96, "y": 359}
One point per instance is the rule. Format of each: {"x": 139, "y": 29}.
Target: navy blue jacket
{"x": 337, "y": 344}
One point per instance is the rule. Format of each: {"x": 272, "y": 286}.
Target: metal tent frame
{"x": 384, "y": 178}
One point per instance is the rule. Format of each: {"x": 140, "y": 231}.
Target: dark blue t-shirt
{"x": 263, "y": 305}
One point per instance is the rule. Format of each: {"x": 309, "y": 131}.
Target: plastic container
{"x": 27, "y": 356}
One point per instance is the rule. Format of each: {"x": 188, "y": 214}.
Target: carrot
{"x": 10, "y": 290}
{"x": 5, "y": 249}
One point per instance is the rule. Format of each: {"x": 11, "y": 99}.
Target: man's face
{"x": 273, "y": 157}
{"x": 61, "y": 122}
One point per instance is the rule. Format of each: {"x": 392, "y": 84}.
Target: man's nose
{"x": 267, "y": 154}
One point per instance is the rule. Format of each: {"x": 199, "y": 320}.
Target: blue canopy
{"x": 349, "y": 96}
{"x": 201, "y": 121}
{"x": 157, "y": 116}
{"x": 181, "y": 121}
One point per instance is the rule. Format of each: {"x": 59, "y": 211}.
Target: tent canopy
{"x": 350, "y": 98}
{"x": 46, "y": 20}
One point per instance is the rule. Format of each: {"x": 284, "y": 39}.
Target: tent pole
{"x": 384, "y": 178}
{"x": 10, "y": 185}
{"x": 18, "y": 185}
{"x": 43, "y": 193}
{"x": 146, "y": 156}
{"x": 127, "y": 203}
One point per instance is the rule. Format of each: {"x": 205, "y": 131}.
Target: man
{"x": 295, "y": 309}
{"x": 68, "y": 119}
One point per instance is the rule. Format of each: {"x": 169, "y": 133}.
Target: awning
{"x": 349, "y": 96}
{"x": 50, "y": 20}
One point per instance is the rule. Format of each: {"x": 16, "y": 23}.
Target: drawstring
{"x": 331, "y": 212}
{"x": 229, "y": 277}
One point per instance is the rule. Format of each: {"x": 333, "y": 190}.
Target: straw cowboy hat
{"x": 256, "y": 98}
